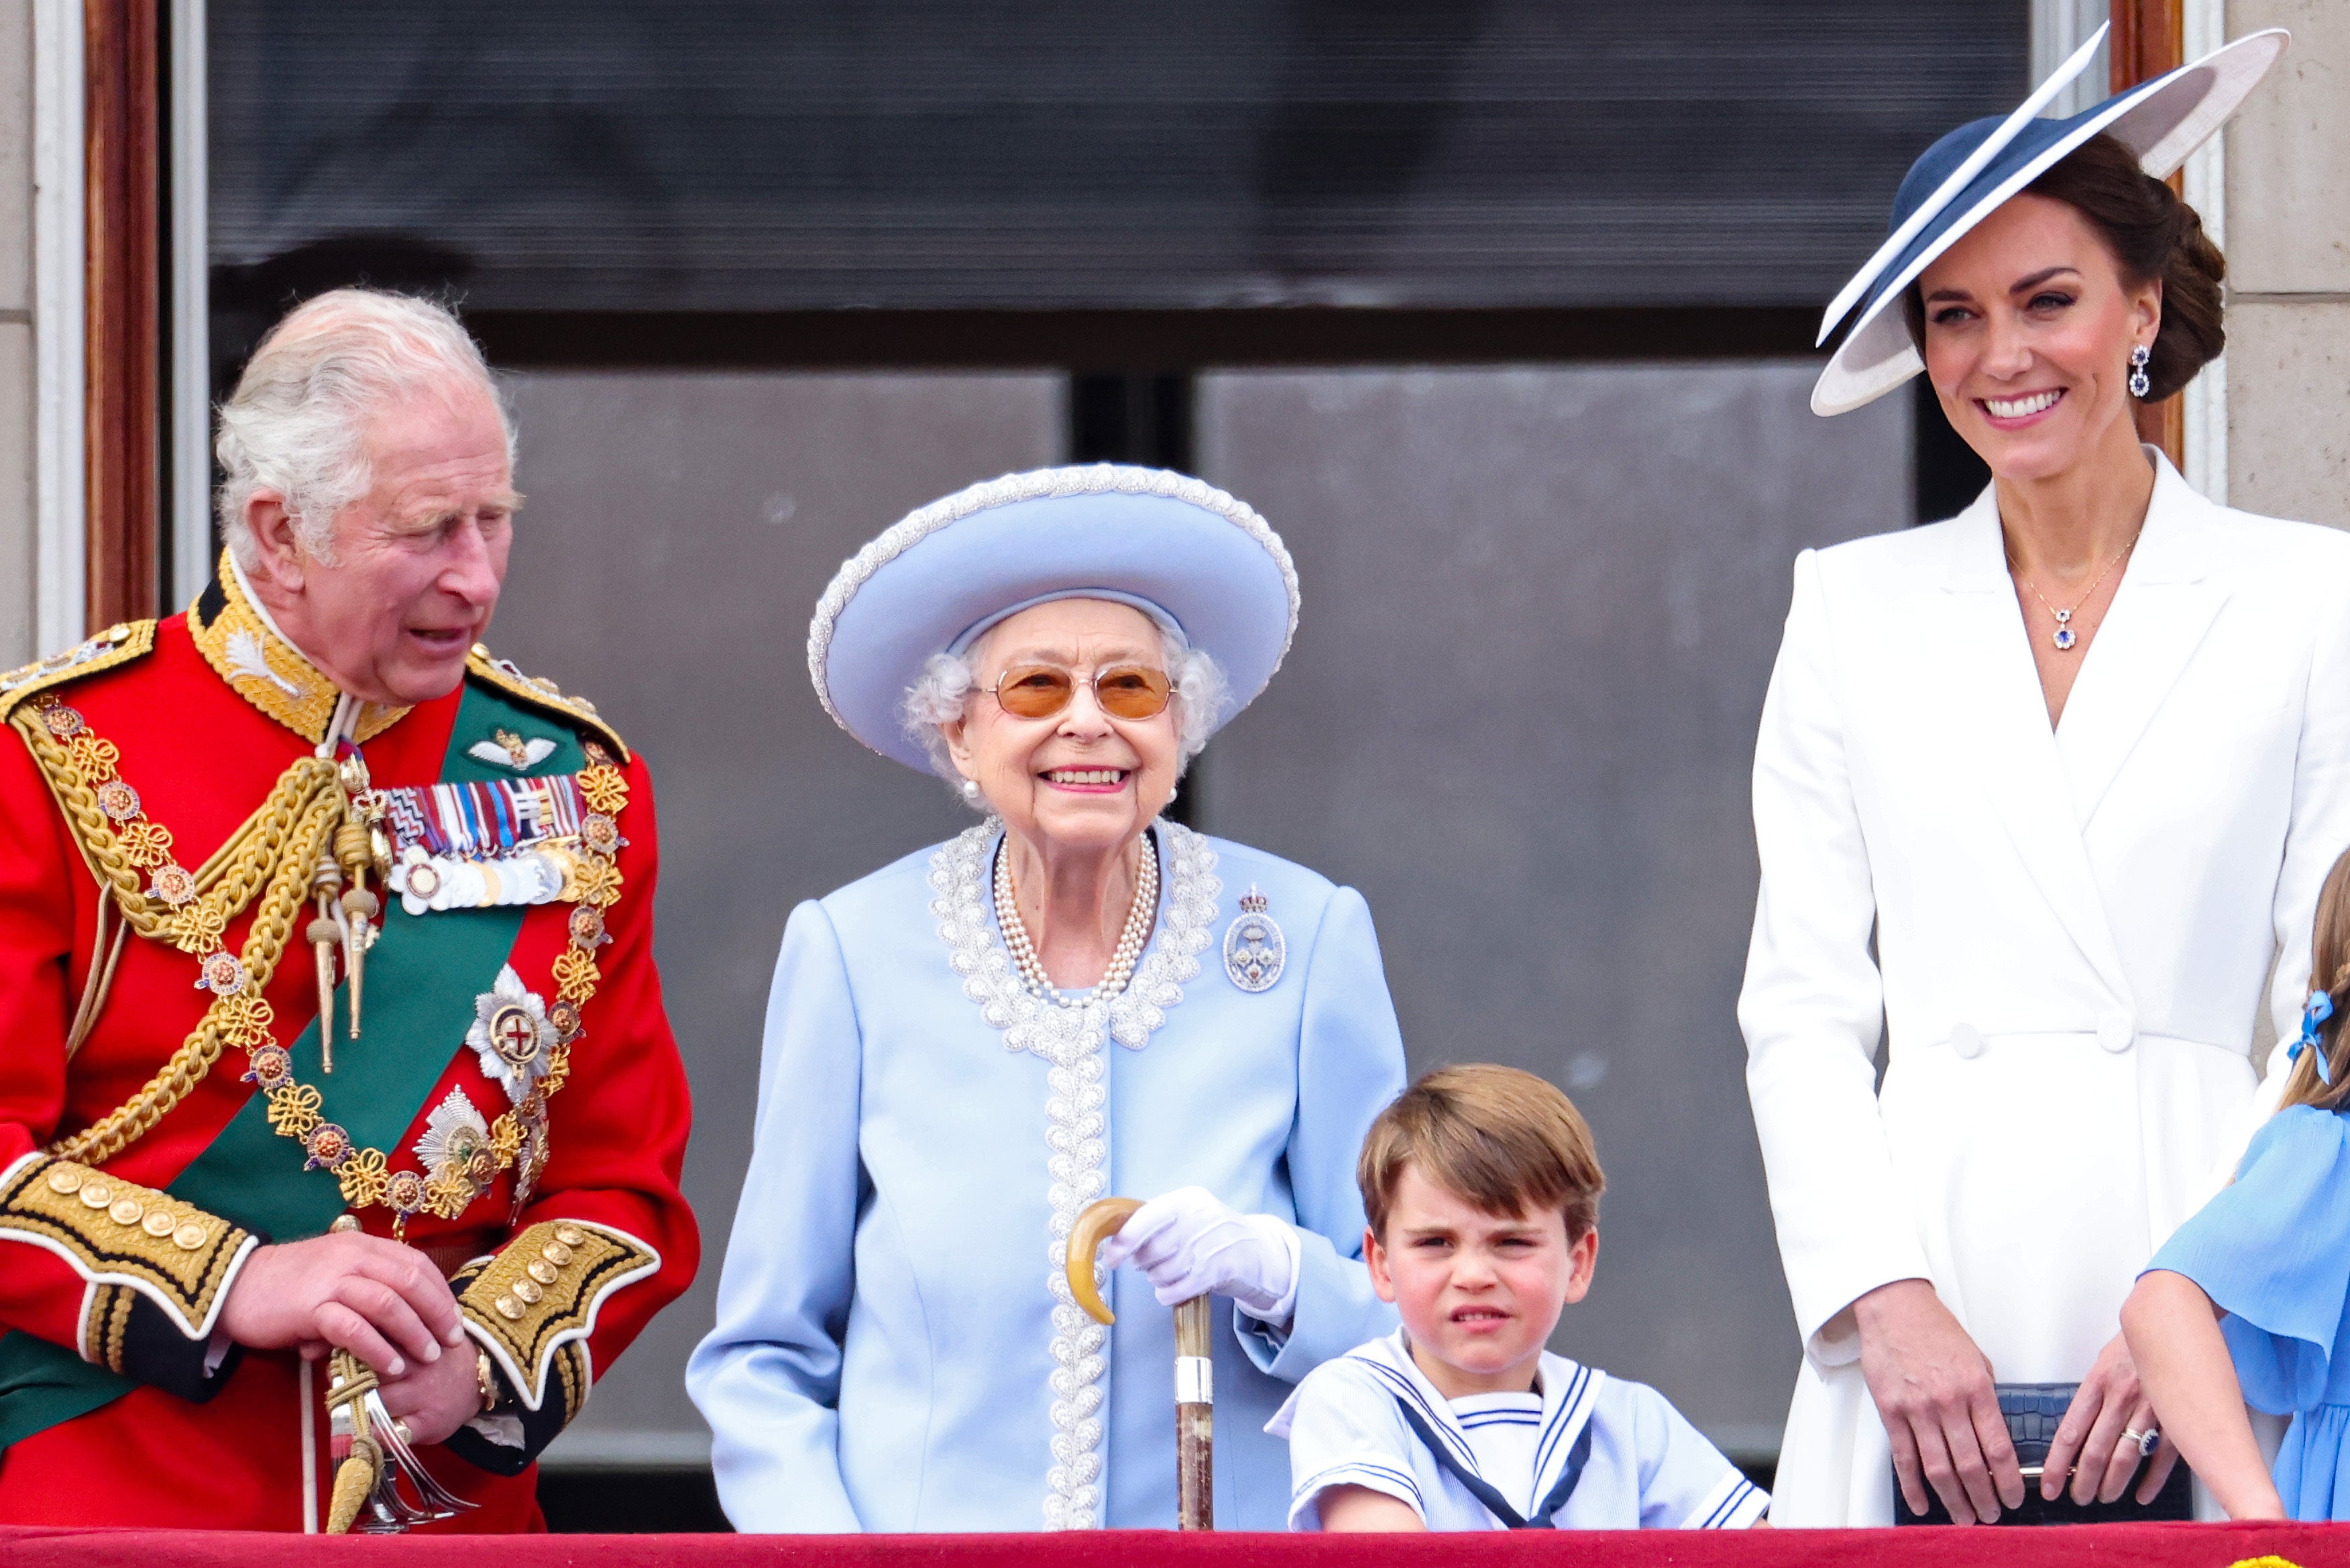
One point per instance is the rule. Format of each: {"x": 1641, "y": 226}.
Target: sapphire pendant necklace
{"x": 2064, "y": 636}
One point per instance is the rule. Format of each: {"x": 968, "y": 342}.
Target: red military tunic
{"x": 204, "y": 713}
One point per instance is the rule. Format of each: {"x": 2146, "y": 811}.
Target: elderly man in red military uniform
{"x": 341, "y": 1122}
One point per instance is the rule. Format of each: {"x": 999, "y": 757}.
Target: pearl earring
{"x": 2137, "y": 381}
{"x": 969, "y": 788}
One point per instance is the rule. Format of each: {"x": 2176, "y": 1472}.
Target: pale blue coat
{"x": 883, "y": 1344}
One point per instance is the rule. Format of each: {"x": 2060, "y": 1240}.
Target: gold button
{"x": 555, "y": 1252}
{"x": 509, "y": 1309}
{"x": 570, "y": 1235}
{"x": 97, "y": 1194}
{"x": 343, "y": 1225}
{"x": 189, "y": 1236}
{"x": 543, "y": 1271}
{"x": 159, "y": 1224}
{"x": 528, "y": 1292}
{"x": 65, "y": 1178}
{"x": 127, "y": 1212}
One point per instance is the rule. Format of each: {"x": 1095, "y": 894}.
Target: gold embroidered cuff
{"x": 541, "y": 1292}
{"x": 114, "y": 1232}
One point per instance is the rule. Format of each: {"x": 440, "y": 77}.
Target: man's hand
{"x": 1933, "y": 1386}
{"x": 435, "y": 1399}
{"x": 374, "y": 1298}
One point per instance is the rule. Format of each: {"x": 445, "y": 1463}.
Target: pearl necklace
{"x": 1122, "y": 959}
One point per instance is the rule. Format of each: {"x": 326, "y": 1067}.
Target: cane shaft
{"x": 1195, "y": 1416}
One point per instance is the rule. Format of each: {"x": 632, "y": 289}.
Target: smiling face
{"x": 1479, "y": 1293}
{"x": 418, "y": 560}
{"x": 2029, "y": 325}
{"x": 1079, "y": 779}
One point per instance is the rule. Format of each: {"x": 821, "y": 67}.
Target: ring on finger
{"x": 2143, "y": 1442}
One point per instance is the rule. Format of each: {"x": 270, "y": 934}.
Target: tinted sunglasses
{"x": 1043, "y": 691}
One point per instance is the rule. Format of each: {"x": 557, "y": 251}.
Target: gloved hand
{"x": 1189, "y": 1242}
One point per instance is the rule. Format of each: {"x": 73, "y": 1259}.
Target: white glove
{"x": 1189, "y": 1242}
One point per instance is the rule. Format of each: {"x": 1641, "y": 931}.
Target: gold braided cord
{"x": 242, "y": 1018}
{"x": 226, "y": 883}
{"x": 300, "y": 815}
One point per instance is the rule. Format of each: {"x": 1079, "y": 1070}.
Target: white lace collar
{"x": 960, "y": 874}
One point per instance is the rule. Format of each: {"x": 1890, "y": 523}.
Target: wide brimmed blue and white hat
{"x": 1963, "y": 178}
{"x": 1186, "y": 554}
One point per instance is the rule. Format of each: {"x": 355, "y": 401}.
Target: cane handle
{"x": 1101, "y": 1218}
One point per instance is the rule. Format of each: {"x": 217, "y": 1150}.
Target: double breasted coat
{"x": 2062, "y": 934}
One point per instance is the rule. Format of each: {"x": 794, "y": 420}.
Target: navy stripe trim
{"x": 1478, "y": 1486}
{"x": 1727, "y": 1509}
{"x": 1579, "y": 1400}
{"x": 1404, "y": 1389}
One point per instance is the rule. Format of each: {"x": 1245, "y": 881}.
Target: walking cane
{"x": 1195, "y": 1407}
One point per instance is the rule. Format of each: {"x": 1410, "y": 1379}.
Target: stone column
{"x": 2288, "y": 244}
{"x": 18, "y": 562}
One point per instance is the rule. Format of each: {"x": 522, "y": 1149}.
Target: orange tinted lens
{"x": 1131, "y": 692}
{"x": 1034, "y": 691}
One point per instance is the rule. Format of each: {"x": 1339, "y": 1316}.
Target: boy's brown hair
{"x": 1504, "y": 1141}
{"x": 2329, "y": 972}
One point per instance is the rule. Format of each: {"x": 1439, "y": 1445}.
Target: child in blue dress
{"x": 2249, "y": 1302}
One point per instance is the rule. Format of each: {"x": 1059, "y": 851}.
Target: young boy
{"x": 1482, "y": 1191}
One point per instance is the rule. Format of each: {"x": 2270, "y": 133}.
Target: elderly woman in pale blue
{"x": 1072, "y": 998}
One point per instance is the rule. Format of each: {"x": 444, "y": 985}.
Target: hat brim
{"x": 2162, "y": 121}
{"x": 1205, "y": 559}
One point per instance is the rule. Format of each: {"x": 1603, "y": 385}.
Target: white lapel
{"x": 1991, "y": 690}
{"x": 2164, "y": 605}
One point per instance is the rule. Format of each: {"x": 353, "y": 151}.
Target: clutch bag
{"x": 2033, "y": 1411}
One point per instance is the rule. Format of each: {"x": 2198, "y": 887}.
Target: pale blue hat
{"x": 1969, "y": 173}
{"x": 1191, "y": 556}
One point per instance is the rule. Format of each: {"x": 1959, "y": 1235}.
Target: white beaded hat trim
{"x": 1091, "y": 478}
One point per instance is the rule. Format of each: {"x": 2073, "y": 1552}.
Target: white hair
{"x": 942, "y": 694}
{"x": 297, "y": 420}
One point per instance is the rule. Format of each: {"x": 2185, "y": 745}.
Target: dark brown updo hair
{"x": 2152, "y": 234}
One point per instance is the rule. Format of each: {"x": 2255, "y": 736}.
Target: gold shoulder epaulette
{"x": 503, "y": 675}
{"x": 110, "y": 649}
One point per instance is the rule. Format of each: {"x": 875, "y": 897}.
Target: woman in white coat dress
{"x": 2044, "y": 789}
{"x": 1072, "y": 998}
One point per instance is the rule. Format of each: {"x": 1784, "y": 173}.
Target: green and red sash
{"x": 422, "y": 977}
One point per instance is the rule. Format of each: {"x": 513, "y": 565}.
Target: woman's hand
{"x": 435, "y": 1398}
{"x": 1189, "y": 1242}
{"x": 1933, "y": 1386}
{"x": 2109, "y": 1405}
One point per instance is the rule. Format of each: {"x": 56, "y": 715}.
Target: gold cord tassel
{"x": 358, "y": 1459}
{"x": 326, "y": 933}
{"x": 360, "y": 907}
{"x": 356, "y": 848}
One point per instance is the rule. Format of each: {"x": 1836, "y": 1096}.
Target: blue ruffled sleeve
{"x": 2273, "y": 1250}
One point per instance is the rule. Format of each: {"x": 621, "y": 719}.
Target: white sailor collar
{"x": 1570, "y": 1393}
